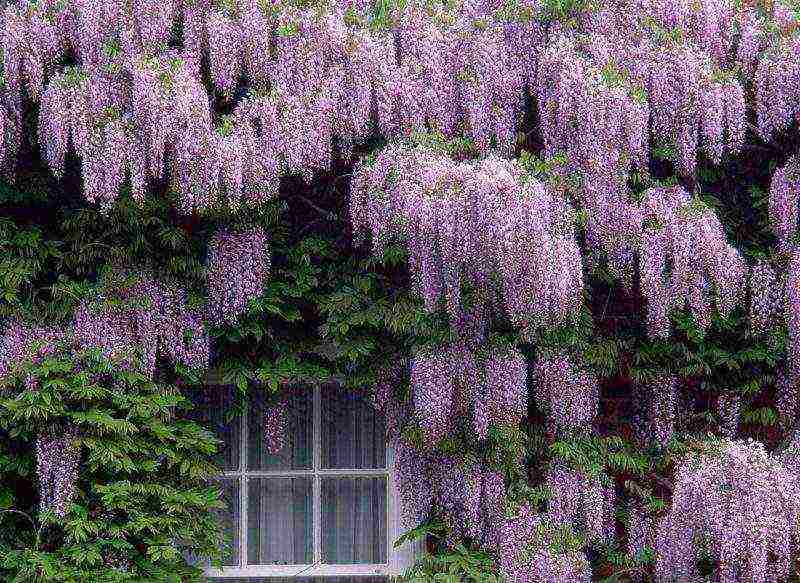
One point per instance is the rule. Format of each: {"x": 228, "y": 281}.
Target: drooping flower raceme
{"x": 526, "y": 555}
{"x": 766, "y": 298}
{"x": 434, "y": 386}
{"x": 783, "y": 199}
{"x": 739, "y": 499}
{"x": 641, "y": 534}
{"x": 580, "y": 500}
{"x": 502, "y": 397}
{"x": 787, "y": 397}
{"x": 276, "y": 425}
{"x": 396, "y": 412}
{"x": 729, "y": 407}
{"x": 569, "y": 392}
{"x": 57, "y": 462}
{"x": 704, "y": 269}
{"x": 452, "y": 382}
{"x": 469, "y": 497}
{"x": 238, "y": 269}
{"x": 793, "y": 314}
{"x": 473, "y": 223}
{"x": 661, "y": 396}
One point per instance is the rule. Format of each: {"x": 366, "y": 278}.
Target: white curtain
{"x": 230, "y": 518}
{"x": 354, "y": 520}
{"x": 211, "y": 407}
{"x": 279, "y": 527}
{"x": 298, "y": 448}
{"x": 353, "y": 434}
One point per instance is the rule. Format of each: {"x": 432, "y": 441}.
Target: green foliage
{"x": 460, "y": 564}
{"x": 626, "y": 566}
{"x": 726, "y": 356}
{"x": 561, "y": 9}
{"x": 596, "y": 455}
{"x": 27, "y": 257}
{"x": 765, "y": 416}
{"x": 456, "y": 147}
{"x": 144, "y": 488}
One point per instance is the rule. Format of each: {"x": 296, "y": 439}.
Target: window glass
{"x": 297, "y": 451}
{"x": 353, "y": 434}
{"x": 279, "y": 521}
{"x": 230, "y": 518}
{"x": 354, "y": 520}
{"x": 212, "y": 406}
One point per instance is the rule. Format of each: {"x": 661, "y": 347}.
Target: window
{"x": 323, "y": 507}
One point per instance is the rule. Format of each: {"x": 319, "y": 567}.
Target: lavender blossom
{"x": 57, "y": 464}
{"x": 239, "y": 266}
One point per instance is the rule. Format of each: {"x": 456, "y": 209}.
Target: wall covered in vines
{"x": 556, "y": 240}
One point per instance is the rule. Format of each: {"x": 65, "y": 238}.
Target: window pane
{"x": 296, "y": 454}
{"x": 353, "y": 434}
{"x": 210, "y": 407}
{"x": 230, "y": 518}
{"x": 354, "y": 520}
{"x": 279, "y": 527}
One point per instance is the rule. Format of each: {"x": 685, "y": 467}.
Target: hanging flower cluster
{"x": 582, "y": 501}
{"x": 452, "y": 383}
{"x": 790, "y": 456}
{"x": 619, "y": 78}
{"x": 57, "y": 463}
{"x": 783, "y": 194}
{"x": 787, "y": 397}
{"x": 793, "y": 313}
{"x": 434, "y": 385}
{"x": 686, "y": 261}
{"x": 526, "y": 554}
{"x": 729, "y": 407}
{"x": 469, "y": 498}
{"x": 569, "y": 392}
{"x": 659, "y": 395}
{"x": 774, "y": 302}
{"x": 396, "y": 412}
{"x": 276, "y": 425}
{"x": 501, "y": 398}
{"x": 238, "y": 269}
{"x": 743, "y": 503}
{"x": 641, "y": 535}
{"x": 475, "y": 224}
{"x": 777, "y": 76}
{"x": 766, "y": 298}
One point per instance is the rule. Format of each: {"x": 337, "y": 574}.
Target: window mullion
{"x": 316, "y": 464}
{"x": 243, "y": 503}
{"x": 388, "y": 466}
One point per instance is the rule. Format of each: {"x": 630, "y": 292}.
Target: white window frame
{"x": 397, "y": 559}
